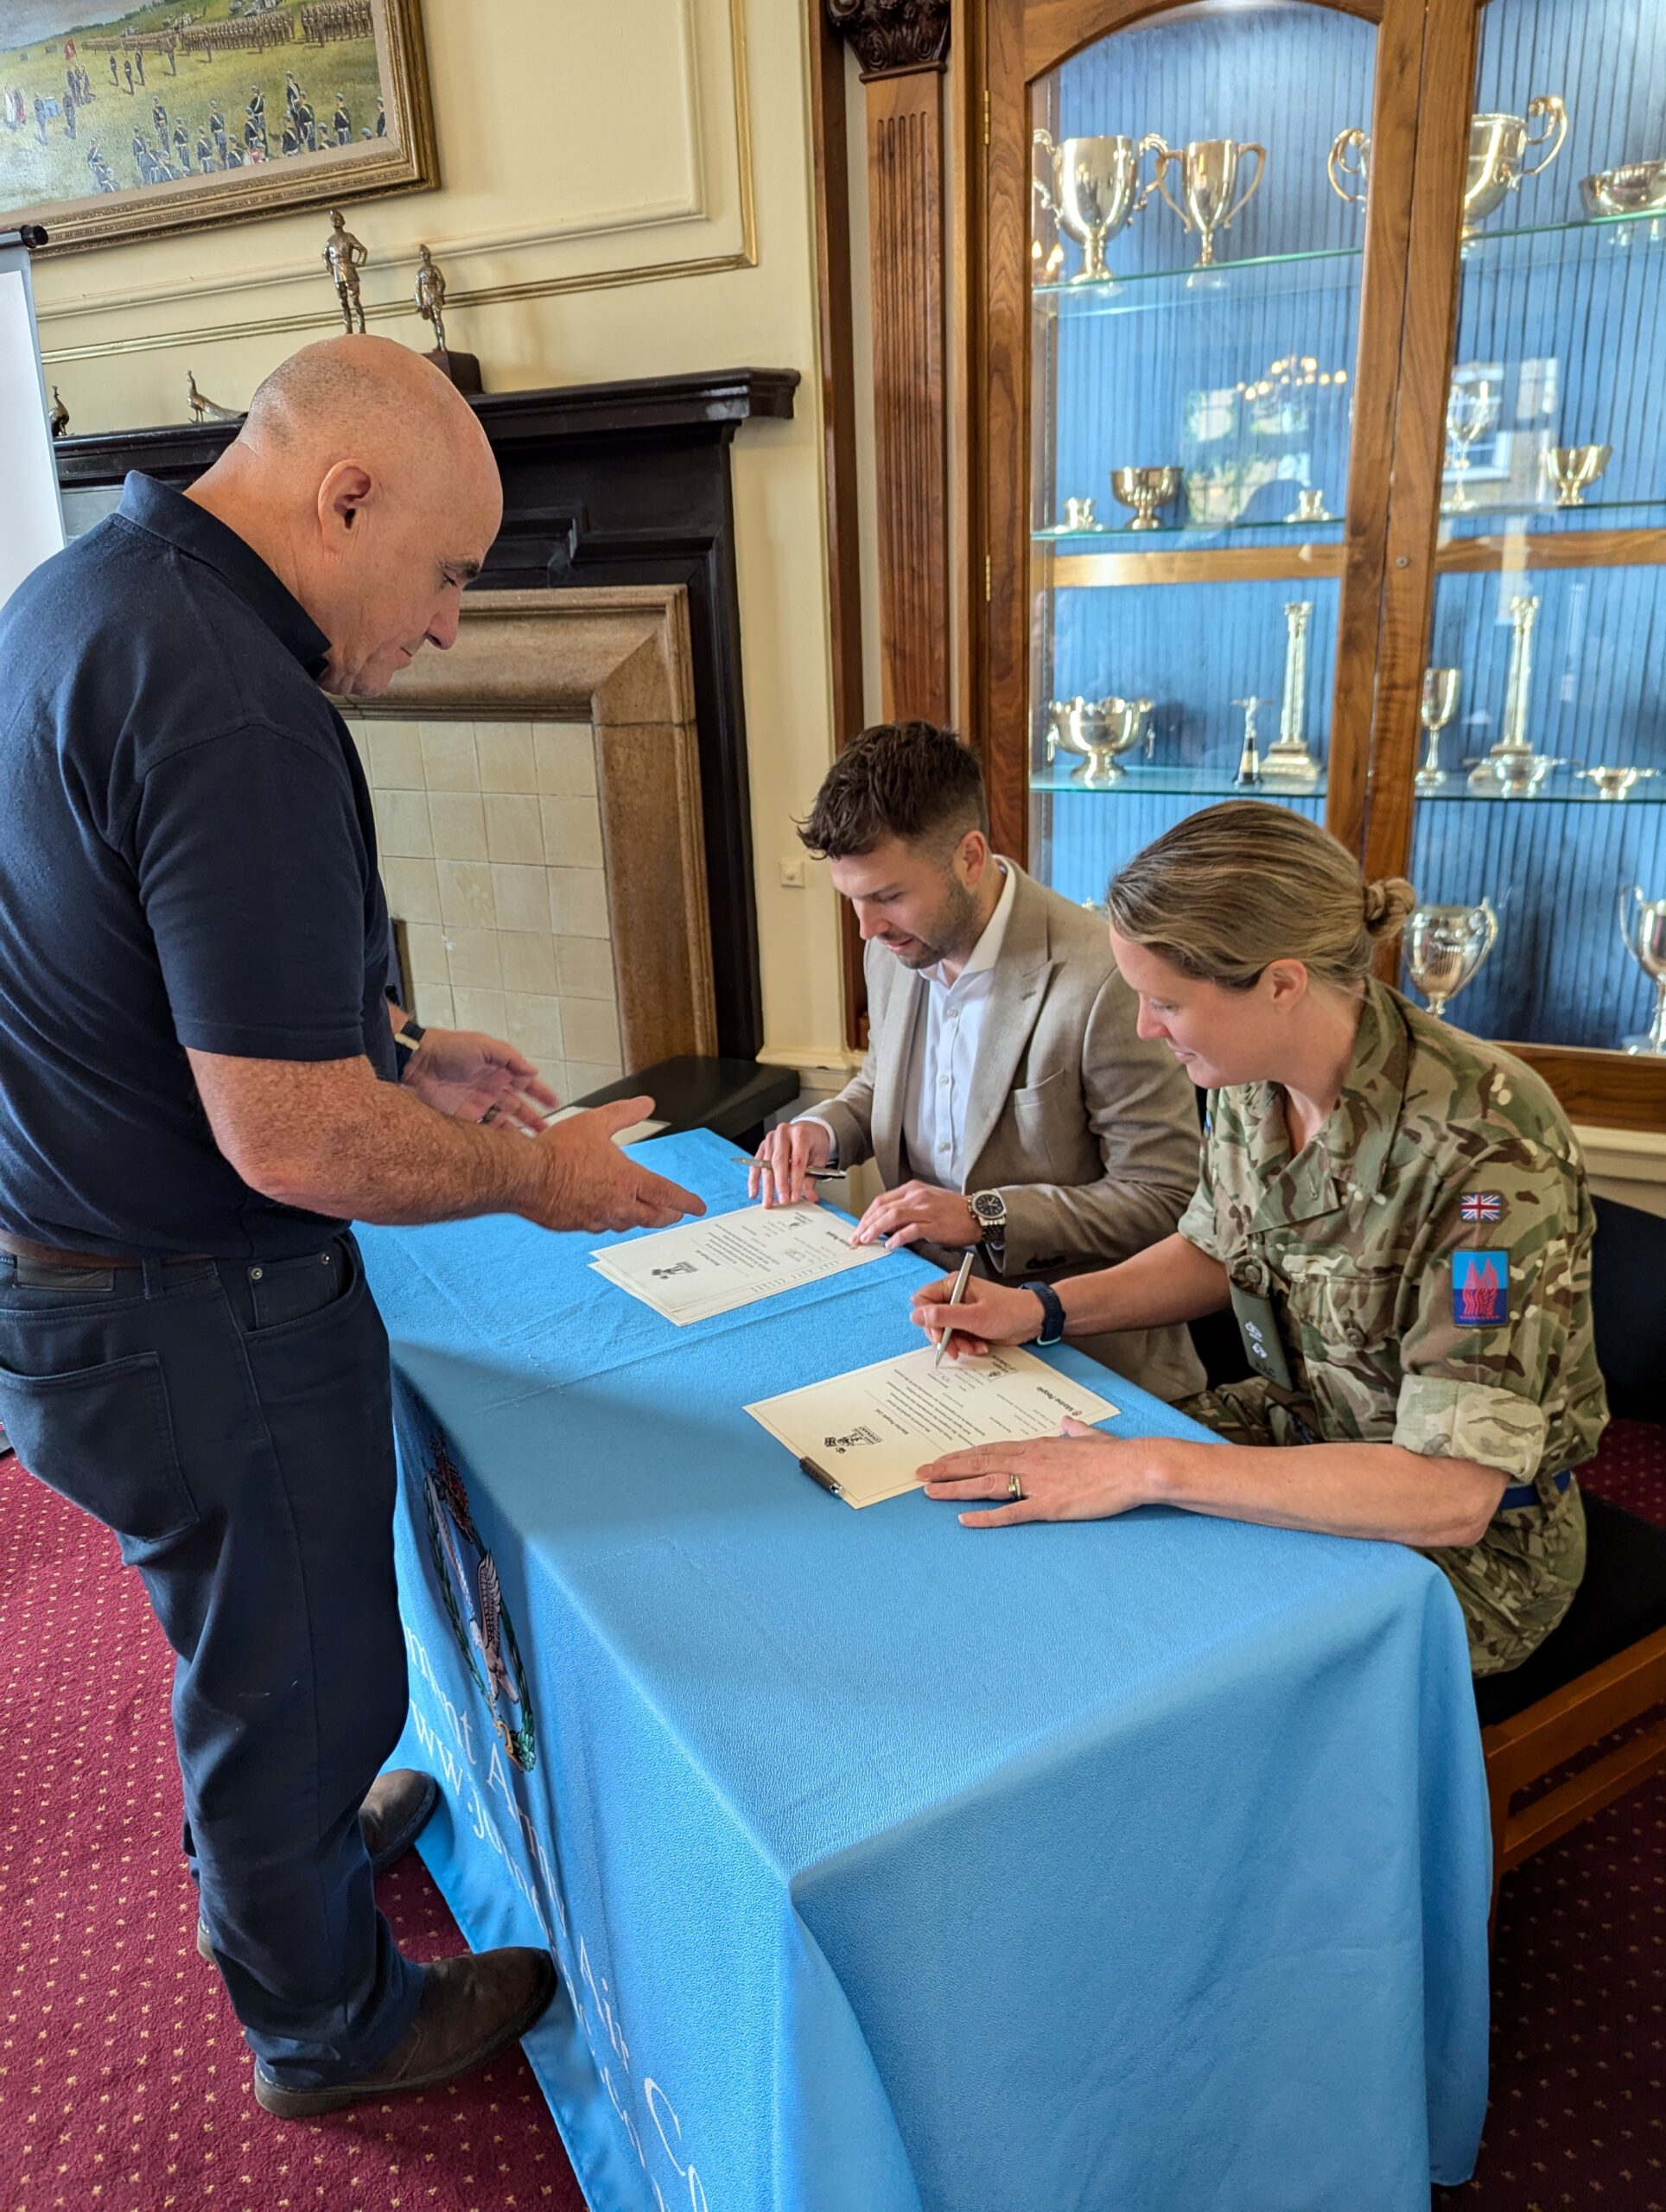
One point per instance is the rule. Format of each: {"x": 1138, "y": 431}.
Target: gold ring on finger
{"x": 1015, "y": 1489}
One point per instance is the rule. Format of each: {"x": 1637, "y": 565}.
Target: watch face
{"x": 989, "y": 1207}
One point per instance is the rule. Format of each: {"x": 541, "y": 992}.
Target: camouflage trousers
{"x": 1514, "y": 1586}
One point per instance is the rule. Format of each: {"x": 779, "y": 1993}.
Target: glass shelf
{"x": 1528, "y": 519}
{"x": 1455, "y": 790}
{"x": 1103, "y": 538}
{"x": 1139, "y": 782}
{"x": 1546, "y": 245}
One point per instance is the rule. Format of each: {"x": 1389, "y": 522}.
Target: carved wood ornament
{"x": 892, "y": 38}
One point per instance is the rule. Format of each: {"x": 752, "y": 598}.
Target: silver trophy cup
{"x": 1212, "y": 171}
{"x": 1643, "y": 928}
{"x": 1444, "y": 947}
{"x": 1096, "y": 191}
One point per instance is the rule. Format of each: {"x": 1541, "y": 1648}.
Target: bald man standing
{"x": 198, "y": 1091}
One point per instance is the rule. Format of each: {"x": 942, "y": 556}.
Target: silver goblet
{"x": 1642, "y": 931}
{"x": 1145, "y": 490}
{"x": 1096, "y": 191}
{"x": 1614, "y": 783}
{"x": 1472, "y": 410}
{"x": 1440, "y": 704}
{"x": 1444, "y": 947}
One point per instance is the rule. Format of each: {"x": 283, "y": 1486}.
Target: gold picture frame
{"x": 86, "y": 107}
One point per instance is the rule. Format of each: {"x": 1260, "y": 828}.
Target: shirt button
{"x": 942, "y": 1148}
{"x": 946, "y": 1078}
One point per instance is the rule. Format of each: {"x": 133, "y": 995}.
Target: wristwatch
{"x": 405, "y": 1041}
{"x": 989, "y": 1210}
{"x": 1052, "y": 1312}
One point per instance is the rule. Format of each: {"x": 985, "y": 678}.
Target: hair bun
{"x": 1387, "y": 902}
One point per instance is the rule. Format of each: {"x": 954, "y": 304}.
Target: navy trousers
{"x": 232, "y": 1423}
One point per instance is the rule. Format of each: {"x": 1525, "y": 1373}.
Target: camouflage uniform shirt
{"x": 1352, "y": 1241}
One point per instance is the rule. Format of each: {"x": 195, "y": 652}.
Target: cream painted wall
{"x": 579, "y": 147}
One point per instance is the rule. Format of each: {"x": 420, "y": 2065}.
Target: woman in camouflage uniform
{"x": 1397, "y": 1214}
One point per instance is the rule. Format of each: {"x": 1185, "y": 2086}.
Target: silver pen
{"x": 955, "y": 1297}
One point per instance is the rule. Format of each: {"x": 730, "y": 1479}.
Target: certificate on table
{"x": 866, "y": 1434}
{"x": 702, "y": 1268}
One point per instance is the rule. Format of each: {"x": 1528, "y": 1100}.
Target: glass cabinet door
{"x": 1196, "y": 262}
{"x": 1540, "y": 813}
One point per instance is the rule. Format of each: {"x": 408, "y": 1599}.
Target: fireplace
{"x": 598, "y": 672}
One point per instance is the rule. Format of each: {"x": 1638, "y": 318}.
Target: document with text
{"x": 703, "y": 1268}
{"x": 865, "y": 1435}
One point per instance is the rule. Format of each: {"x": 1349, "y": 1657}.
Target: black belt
{"x": 43, "y": 1255}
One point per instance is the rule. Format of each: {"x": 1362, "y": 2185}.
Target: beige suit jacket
{"x": 1089, "y": 1134}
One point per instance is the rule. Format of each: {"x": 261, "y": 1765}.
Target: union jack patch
{"x": 1482, "y": 1206}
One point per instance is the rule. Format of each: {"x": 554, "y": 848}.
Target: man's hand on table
{"x": 587, "y": 1182}
{"x": 779, "y": 1171}
{"x": 917, "y": 1211}
{"x": 1079, "y": 1475}
{"x": 474, "y": 1077}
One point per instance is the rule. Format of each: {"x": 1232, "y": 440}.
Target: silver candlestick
{"x": 1289, "y": 757}
{"x": 1511, "y": 763}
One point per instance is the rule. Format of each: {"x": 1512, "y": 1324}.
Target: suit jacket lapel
{"x": 897, "y": 1007}
{"x": 1015, "y": 996}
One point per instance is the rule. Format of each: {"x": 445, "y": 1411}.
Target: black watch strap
{"x": 405, "y": 1041}
{"x": 1052, "y": 1313}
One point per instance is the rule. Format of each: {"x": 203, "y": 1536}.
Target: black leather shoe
{"x": 471, "y": 2008}
{"x": 395, "y": 1811}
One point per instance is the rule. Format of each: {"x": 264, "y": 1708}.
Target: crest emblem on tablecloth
{"x": 474, "y": 1602}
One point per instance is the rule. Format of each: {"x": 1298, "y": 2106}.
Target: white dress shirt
{"x": 943, "y": 1054}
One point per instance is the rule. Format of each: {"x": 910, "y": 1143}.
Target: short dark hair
{"x": 910, "y": 780}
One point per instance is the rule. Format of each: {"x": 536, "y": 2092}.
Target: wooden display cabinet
{"x": 1321, "y": 353}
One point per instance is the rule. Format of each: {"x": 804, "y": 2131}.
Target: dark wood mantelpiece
{"x": 619, "y": 483}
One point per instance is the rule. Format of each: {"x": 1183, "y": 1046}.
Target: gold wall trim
{"x": 325, "y": 319}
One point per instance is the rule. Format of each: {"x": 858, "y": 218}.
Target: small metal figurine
{"x": 344, "y": 256}
{"x": 463, "y": 369}
{"x": 204, "y": 410}
{"x": 430, "y": 295}
{"x": 60, "y": 416}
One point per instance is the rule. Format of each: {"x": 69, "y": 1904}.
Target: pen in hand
{"x": 955, "y": 1297}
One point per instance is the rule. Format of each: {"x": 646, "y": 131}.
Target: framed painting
{"x": 119, "y": 122}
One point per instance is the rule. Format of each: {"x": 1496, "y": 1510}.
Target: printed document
{"x": 702, "y": 1268}
{"x": 865, "y": 1435}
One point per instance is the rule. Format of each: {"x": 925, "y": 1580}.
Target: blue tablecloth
{"x": 1138, "y": 1865}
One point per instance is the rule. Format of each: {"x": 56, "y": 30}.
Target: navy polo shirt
{"x": 187, "y": 857}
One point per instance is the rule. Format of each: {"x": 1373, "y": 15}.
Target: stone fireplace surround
{"x": 538, "y": 801}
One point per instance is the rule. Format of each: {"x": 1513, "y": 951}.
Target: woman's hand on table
{"x": 1079, "y": 1475}
{"x": 990, "y": 1313}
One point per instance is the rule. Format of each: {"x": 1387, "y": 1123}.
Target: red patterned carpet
{"x": 124, "y": 2081}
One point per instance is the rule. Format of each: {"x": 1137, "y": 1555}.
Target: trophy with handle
{"x": 1210, "y": 170}
{"x": 1096, "y": 191}
{"x": 1444, "y": 947}
{"x": 1642, "y": 931}
{"x": 1497, "y": 167}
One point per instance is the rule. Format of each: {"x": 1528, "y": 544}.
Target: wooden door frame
{"x": 1021, "y": 41}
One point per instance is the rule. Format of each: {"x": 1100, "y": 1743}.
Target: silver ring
{"x": 1015, "y": 1489}
{"x": 489, "y": 1117}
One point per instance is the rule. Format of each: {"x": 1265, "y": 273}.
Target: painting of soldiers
{"x": 244, "y": 87}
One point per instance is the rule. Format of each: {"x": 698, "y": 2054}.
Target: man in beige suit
{"x": 1006, "y": 1097}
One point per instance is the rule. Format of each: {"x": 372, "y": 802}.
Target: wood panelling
{"x": 1206, "y": 564}
{"x": 905, "y": 202}
{"x": 1547, "y": 548}
{"x": 1360, "y": 648}
{"x": 1617, "y": 1091}
{"x": 1418, "y": 444}
{"x": 1055, "y": 30}
{"x": 833, "y": 303}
